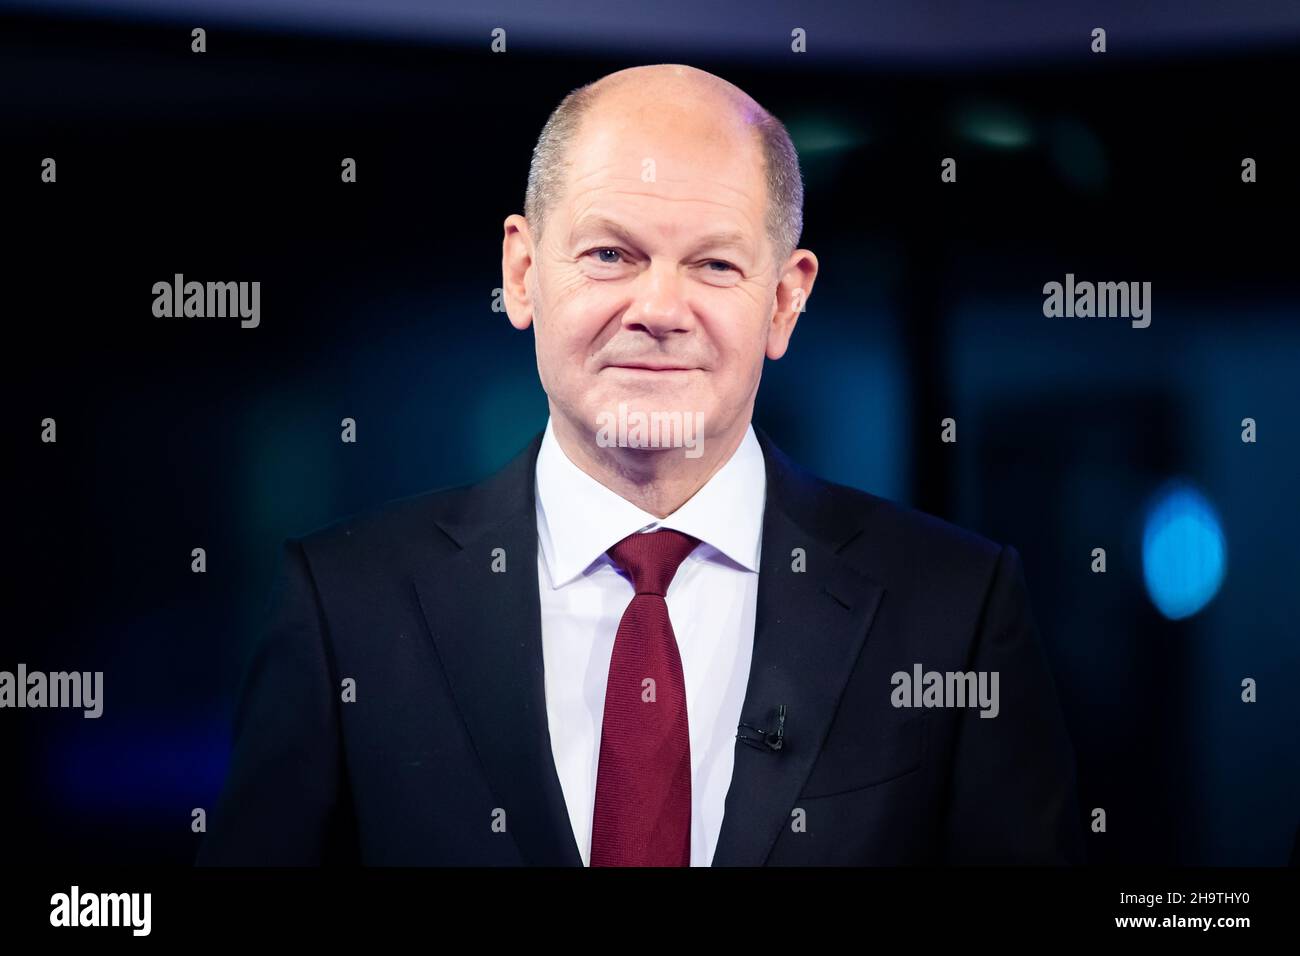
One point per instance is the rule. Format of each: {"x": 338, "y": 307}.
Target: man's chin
{"x": 660, "y": 398}
{"x": 648, "y": 424}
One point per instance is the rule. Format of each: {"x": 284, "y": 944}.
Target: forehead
{"x": 680, "y": 161}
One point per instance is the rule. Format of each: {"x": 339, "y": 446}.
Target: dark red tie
{"x": 642, "y": 815}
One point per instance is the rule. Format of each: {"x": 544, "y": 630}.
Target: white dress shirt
{"x": 712, "y": 602}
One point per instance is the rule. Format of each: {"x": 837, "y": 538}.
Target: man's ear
{"x": 792, "y": 292}
{"x": 516, "y": 260}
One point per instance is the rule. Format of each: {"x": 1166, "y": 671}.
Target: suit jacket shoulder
{"x": 896, "y": 546}
{"x": 397, "y": 535}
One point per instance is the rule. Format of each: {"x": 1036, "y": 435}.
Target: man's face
{"x": 654, "y": 282}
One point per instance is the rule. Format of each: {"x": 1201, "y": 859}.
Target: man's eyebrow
{"x": 724, "y": 238}
{"x": 721, "y": 238}
{"x": 593, "y": 226}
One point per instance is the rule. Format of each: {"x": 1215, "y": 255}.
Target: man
{"x": 651, "y": 639}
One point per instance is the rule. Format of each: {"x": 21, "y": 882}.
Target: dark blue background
{"x": 376, "y": 303}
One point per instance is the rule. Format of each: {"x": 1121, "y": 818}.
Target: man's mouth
{"x": 651, "y": 367}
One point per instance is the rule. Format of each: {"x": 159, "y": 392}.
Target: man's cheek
{"x": 572, "y": 285}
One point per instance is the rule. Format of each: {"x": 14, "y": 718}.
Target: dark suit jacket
{"x": 449, "y": 722}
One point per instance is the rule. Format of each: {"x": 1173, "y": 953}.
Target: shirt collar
{"x": 578, "y": 518}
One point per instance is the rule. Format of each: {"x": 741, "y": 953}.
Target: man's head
{"x": 657, "y": 258}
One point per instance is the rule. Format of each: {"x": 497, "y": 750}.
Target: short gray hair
{"x": 550, "y": 164}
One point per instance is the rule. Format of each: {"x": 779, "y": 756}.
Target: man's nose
{"x": 660, "y": 307}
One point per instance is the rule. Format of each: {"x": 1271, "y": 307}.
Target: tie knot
{"x": 651, "y": 559}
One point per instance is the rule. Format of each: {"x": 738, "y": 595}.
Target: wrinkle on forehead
{"x": 697, "y": 128}
{"x": 594, "y": 204}
{"x": 667, "y": 187}
{"x": 610, "y": 156}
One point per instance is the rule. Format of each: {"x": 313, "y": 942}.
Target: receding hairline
{"x": 551, "y": 161}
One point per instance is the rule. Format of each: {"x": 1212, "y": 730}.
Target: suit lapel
{"x": 809, "y": 629}
{"x": 487, "y": 628}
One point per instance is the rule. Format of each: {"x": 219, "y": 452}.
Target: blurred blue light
{"x": 818, "y": 133}
{"x": 1183, "y": 551}
{"x": 137, "y": 767}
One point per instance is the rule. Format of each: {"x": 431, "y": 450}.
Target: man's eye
{"x": 610, "y": 256}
